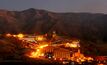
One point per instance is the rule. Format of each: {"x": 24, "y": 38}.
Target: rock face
{"x": 81, "y": 25}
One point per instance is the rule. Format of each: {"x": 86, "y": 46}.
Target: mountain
{"x": 89, "y": 26}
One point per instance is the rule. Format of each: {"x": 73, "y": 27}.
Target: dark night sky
{"x": 93, "y": 6}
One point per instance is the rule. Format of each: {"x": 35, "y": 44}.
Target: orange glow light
{"x": 43, "y": 46}
{"x": 74, "y": 45}
{"x": 39, "y": 38}
{"x": 14, "y": 36}
{"x": 20, "y": 35}
{"x": 38, "y": 53}
{"x": 8, "y": 35}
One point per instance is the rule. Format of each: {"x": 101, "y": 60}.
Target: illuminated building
{"x": 29, "y": 39}
{"x": 73, "y": 44}
{"x": 54, "y": 48}
{"x": 54, "y": 34}
{"x": 62, "y": 53}
{"x": 79, "y": 57}
{"x": 48, "y": 49}
{"x": 56, "y": 52}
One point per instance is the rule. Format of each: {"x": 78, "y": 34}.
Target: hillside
{"x": 88, "y": 26}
